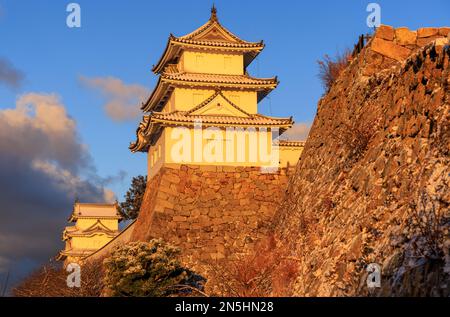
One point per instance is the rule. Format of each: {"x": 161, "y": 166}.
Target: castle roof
{"x": 80, "y": 253}
{"x": 210, "y": 36}
{"x": 151, "y": 125}
{"x": 92, "y": 210}
{"x": 288, "y": 143}
{"x": 97, "y": 227}
{"x": 178, "y": 117}
{"x": 172, "y": 78}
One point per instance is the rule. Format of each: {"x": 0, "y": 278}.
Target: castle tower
{"x": 204, "y": 108}
{"x": 95, "y": 226}
{"x": 208, "y": 146}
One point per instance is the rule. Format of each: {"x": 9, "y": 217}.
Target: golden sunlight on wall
{"x": 212, "y": 63}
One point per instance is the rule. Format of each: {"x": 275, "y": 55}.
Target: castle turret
{"x": 95, "y": 225}
{"x": 204, "y": 108}
{"x": 216, "y": 171}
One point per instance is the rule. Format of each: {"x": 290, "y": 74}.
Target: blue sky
{"x": 123, "y": 39}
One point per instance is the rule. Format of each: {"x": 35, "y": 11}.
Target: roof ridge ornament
{"x": 214, "y": 14}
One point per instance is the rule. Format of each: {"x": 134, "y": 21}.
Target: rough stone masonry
{"x": 210, "y": 212}
{"x": 372, "y": 184}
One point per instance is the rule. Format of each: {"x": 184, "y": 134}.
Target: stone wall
{"x": 379, "y": 141}
{"x": 399, "y": 43}
{"x": 210, "y": 212}
{"x": 389, "y": 46}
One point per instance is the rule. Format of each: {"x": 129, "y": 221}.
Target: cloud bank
{"x": 122, "y": 100}
{"x": 42, "y": 163}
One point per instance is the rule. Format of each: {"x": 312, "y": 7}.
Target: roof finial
{"x": 213, "y": 13}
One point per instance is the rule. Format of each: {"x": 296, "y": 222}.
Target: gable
{"x": 218, "y": 105}
{"x": 98, "y": 226}
{"x": 214, "y": 33}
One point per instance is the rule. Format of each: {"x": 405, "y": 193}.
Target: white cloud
{"x": 122, "y": 100}
{"x": 299, "y": 131}
{"x": 66, "y": 180}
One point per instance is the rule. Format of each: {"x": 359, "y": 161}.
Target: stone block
{"x": 196, "y": 226}
{"x": 389, "y": 49}
{"x": 162, "y": 195}
{"x": 208, "y": 168}
{"x": 179, "y": 218}
{"x": 218, "y": 221}
{"x": 217, "y": 256}
{"x": 164, "y": 183}
{"x": 166, "y": 204}
{"x": 169, "y": 211}
{"x": 426, "y": 40}
{"x": 173, "y": 178}
{"x": 445, "y": 31}
{"x": 427, "y": 32}
{"x": 159, "y": 208}
{"x": 184, "y": 212}
{"x": 184, "y": 225}
{"x": 228, "y": 219}
{"x": 244, "y": 202}
{"x": 385, "y": 32}
{"x": 228, "y": 169}
{"x": 404, "y": 36}
{"x": 442, "y": 41}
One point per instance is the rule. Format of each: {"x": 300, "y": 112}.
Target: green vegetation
{"x": 149, "y": 269}
{"x": 129, "y": 209}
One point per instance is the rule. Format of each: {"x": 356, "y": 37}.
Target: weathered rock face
{"x": 209, "y": 212}
{"x": 372, "y": 183}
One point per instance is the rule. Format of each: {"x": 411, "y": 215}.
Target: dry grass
{"x": 355, "y": 138}
{"x": 268, "y": 271}
{"x": 428, "y": 218}
{"x": 331, "y": 68}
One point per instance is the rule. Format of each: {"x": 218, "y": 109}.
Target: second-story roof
{"x": 173, "y": 78}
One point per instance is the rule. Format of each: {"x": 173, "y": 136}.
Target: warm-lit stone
{"x": 427, "y": 40}
{"x": 427, "y": 32}
{"x": 404, "y": 36}
{"x": 385, "y": 32}
{"x": 390, "y": 49}
{"x": 445, "y": 31}
{"x": 228, "y": 206}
